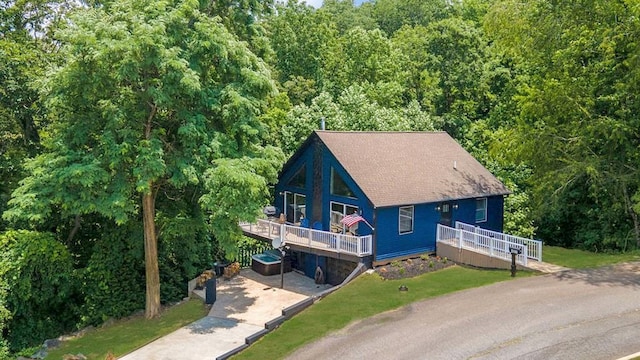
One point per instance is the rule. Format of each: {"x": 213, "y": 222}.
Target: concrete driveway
{"x": 244, "y": 304}
{"x": 578, "y": 314}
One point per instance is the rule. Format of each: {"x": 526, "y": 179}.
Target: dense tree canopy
{"x": 138, "y": 133}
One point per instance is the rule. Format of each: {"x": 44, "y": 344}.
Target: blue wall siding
{"x": 328, "y": 161}
{"x": 466, "y": 213}
{"x": 423, "y": 238}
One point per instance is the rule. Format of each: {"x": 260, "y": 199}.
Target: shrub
{"x": 114, "y": 279}
{"x": 42, "y": 288}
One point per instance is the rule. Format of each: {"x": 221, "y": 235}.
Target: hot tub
{"x": 268, "y": 263}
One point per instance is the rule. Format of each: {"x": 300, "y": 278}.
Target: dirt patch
{"x": 413, "y": 267}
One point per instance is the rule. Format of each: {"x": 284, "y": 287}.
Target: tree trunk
{"x": 152, "y": 274}
{"x": 632, "y": 213}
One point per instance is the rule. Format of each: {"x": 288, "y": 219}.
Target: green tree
{"x": 391, "y": 15}
{"x": 300, "y": 38}
{"x": 152, "y": 95}
{"x": 577, "y": 125}
{"x": 361, "y": 56}
{"x": 354, "y": 110}
{"x": 457, "y": 55}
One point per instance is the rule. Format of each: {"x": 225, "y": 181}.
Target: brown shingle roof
{"x": 401, "y": 168}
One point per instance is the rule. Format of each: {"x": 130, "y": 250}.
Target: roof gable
{"x": 398, "y": 168}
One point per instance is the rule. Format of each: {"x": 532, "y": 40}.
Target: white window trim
{"x": 343, "y": 213}
{"x": 486, "y": 205}
{"x": 295, "y": 204}
{"x": 400, "y": 216}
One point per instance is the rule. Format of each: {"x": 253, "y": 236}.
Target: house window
{"x": 338, "y": 186}
{"x": 295, "y": 207}
{"x": 481, "y": 210}
{"x": 338, "y": 211}
{"x": 299, "y": 179}
{"x": 405, "y": 219}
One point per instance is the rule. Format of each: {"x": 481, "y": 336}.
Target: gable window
{"x": 481, "y": 210}
{"x": 405, "y": 219}
{"x": 299, "y": 179}
{"x": 295, "y": 207}
{"x": 338, "y": 186}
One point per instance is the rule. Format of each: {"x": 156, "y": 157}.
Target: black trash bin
{"x": 210, "y": 291}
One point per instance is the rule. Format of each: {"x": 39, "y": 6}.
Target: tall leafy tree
{"x": 391, "y": 15}
{"x": 578, "y": 124}
{"x": 300, "y": 37}
{"x": 152, "y": 95}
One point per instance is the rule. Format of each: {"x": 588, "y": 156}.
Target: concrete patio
{"x": 244, "y": 305}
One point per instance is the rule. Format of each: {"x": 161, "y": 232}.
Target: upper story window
{"x": 299, "y": 179}
{"x": 338, "y": 186}
{"x": 481, "y": 210}
{"x": 405, "y": 219}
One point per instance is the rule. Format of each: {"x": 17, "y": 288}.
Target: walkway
{"x": 243, "y": 305}
{"x": 545, "y": 267}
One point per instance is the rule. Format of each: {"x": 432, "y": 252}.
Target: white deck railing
{"x": 477, "y": 242}
{"x": 324, "y": 240}
{"x": 534, "y": 247}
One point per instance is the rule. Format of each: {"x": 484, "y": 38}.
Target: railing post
{"x": 491, "y": 246}
{"x": 338, "y": 242}
{"x": 459, "y": 239}
{"x": 359, "y": 246}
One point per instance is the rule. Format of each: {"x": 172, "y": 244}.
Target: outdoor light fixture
{"x": 455, "y": 206}
{"x": 438, "y": 208}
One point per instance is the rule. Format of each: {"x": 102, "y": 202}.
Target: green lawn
{"x": 580, "y": 259}
{"x": 366, "y": 296}
{"x": 127, "y": 335}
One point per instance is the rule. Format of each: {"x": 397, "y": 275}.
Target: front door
{"x": 445, "y": 214}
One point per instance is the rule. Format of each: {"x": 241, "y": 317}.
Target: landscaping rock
{"x": 51, "y": 343}
{"x": 41, "y": 354}
{"x": 413, "y": 267}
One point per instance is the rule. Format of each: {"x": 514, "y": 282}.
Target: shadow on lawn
{"x": 626, "y": 274}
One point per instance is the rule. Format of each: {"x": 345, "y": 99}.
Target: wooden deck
{"x": 316, "y": 241}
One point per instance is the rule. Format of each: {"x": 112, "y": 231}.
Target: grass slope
{"x": 127, "y": 335}
{"x": 580, "y": 259}
{"x": 364, "y": 297}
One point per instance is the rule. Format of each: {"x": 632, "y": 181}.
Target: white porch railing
{"x": 534, "y": 247}
{"x": 477, "y": 242}
{"x": 324, "y": 240}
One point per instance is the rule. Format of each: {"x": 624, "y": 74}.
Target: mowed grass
{"x": 127, "y": 335}
{"x": 580, "y": 259}
{"x": 364, "y": 297}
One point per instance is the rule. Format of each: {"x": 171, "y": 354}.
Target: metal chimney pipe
{"x": 322, "y": 123}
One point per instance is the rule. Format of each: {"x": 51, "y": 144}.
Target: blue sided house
{"x": 392, "y": 187}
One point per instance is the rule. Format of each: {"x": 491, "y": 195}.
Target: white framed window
{"x": 338, "y": 211}
{"x": 481, "y": 210}
{"x": 295, "y": 207}
{"x": 405, "y": 219}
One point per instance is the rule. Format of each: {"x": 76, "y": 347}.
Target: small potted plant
{"x": 231, "y": 270}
